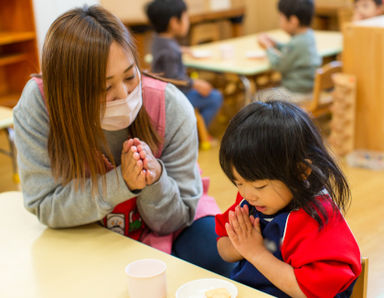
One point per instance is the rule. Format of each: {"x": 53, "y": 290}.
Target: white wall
{"x": 46, "y": 11}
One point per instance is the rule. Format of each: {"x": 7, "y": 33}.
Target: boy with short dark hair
{"x": 170, "y": 20}
{"x": 365, "y": 9}
{"x": 298, "y": 59}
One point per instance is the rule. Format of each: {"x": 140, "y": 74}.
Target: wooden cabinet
{"x": 261, "y": 15}
{"x": 363, "y": 57}
{"x": 18, "y": 49}
{"x": 133, "y": 12}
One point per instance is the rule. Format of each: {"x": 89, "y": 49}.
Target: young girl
{"x": 285, "y": 228}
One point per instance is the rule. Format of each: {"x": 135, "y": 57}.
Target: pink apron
{"x": 125, "y": 218}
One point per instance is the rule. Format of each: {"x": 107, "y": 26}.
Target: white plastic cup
{"x": 147, "y": 278}
{"x": 227, "y": 51}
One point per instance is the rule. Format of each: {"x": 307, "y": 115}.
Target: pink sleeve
{"x": 325, "y": 261}
{"x": 222, "y": 219}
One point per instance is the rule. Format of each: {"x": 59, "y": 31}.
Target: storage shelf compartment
{"x": 10, "y": 99}
{"x": 7, "y": 37}
{"x": 13, "y": 58}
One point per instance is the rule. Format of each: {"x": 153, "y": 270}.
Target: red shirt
{"x": 325, "y": 261}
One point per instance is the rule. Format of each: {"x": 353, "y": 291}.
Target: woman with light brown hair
{"x": 100, "y": 142}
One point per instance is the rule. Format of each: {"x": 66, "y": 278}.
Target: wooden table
{"x": 329, "y": 43}
{"x": 132, "y": 14}
{"x": 86, "y": 261}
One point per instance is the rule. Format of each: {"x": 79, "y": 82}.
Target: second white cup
{"x": 147, "y": 278}
{"x": 227, "y": 51}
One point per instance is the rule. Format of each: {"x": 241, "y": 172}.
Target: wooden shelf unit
{"x": 18, "y": 49}
{"x": 12, "y": 58}
{"x": 363, "y": 57}
{"x": 9, "y": 37}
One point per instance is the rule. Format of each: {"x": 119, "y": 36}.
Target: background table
{"x": 329, "y": 43}
{"x": 132, "y": 14}
{"x": 87, "y": 261}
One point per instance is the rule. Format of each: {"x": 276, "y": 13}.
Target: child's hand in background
{"x": 186, "y": 50}
{"x": 244, "y": 232}
{"x": 203, "y": 87}
{"x": 265, "y": 41}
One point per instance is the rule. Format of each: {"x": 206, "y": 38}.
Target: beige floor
{"x": 365, "y": 216}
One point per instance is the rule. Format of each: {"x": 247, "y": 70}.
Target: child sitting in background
{"x": 365, "y": 9}
{"x": 285, "y": 228}
{"x": 169, "y": 18}
{"x": 297, "y": 60}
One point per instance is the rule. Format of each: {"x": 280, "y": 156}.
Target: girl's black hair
{"x": 160, "y": 12}
{"x": 276, "y": 140}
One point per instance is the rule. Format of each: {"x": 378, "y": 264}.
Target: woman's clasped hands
{"x": 138, "y": 165}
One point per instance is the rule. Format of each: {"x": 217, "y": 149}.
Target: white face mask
{"x": 120, "y": 113}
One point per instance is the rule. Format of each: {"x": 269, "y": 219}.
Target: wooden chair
{"x": 204, "y": 32}
{"x": 342, "y": 124}
{"x": 204, "y": 137}
{"x": 202, "y": 131}
{"x": 321, "y": 102}
{"x": 6, "y": 123}
{"x": 360, "y": 288}
{"x": 199, "y": 33}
